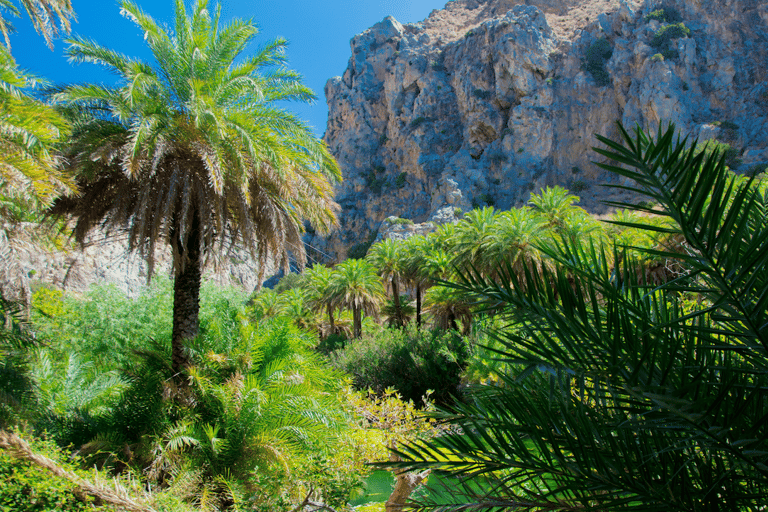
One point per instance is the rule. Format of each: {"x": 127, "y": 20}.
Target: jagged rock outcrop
{"x": 488, "y": 100}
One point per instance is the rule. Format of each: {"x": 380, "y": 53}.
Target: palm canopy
{"x": 356, "y": 285}
{"x": 43, "y": 14}
{"x": 28, "y": 131}
{"x": 197, "y": 135}
{"x": 624, "y": 395}
{"x": 192, "y": 150}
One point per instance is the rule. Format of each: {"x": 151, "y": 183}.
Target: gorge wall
{"x": 486, "y": 101}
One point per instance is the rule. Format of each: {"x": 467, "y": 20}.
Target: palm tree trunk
{"x": 418, "y": 305}
{"x": 186, "y": 296}
{"x": 357, "y": 322}
{"x": 330, "y": 320}
{"x": 396, "y": 301}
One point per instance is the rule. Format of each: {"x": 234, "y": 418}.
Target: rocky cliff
{"x": 488, "y": 100}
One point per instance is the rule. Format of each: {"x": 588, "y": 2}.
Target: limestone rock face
{"x": 104, "y": 260}
{"x": 488, "y": 100}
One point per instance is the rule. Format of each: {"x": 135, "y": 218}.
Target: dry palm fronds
{"x": 20, "y": 449}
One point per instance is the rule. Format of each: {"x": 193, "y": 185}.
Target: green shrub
{"x": 665, "y": 15}
{"x": 400, "y": 180}
{"x": 410, "y": 360}
{"x": 663, "y": 37}
{"x": 577, "y": 185}
{"x": 400, "y": 221}
{"x": 598, "y": 54}
{"x": 372, "y": 180}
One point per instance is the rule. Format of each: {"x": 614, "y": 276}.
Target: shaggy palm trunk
{"x": 330, "y": 319}
{"x": 357, "y": 322}
{"x": 186, "y": 297}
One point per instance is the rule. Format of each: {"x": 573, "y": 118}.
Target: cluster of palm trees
{"x": 400, "y": 281}
{"x": 623, "y": 391}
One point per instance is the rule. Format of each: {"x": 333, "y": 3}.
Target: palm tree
{"x": 320, "y": 293}
{"x": 356, "y": 286}
{"x": 513, "y": 240}
{"x": 416, "y": 249}
{"x": 474, "y": 231}
{"x": 193, "y": 152}
{"x": 447, "y": 307}
{"x": 623, "y": 396}
{"x": 556, "y": 205}
{"x": 29, "y": 176}
{"x": 387, "y": 257}
{"x": 43, "y": 14}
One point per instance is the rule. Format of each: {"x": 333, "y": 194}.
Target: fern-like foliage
{"x": 627, "y": 394}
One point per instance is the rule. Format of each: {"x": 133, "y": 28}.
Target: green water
{"x": 376, "y": 488}
{"x": 379, "y": 485}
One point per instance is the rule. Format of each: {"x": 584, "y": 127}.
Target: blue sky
{"x": 318, "y": 32}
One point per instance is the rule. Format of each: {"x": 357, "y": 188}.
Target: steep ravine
{"x": 486, "y": 101}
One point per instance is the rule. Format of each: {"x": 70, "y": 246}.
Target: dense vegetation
{"x": 536, "y": 359}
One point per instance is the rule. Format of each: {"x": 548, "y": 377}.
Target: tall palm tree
{"x": 386, "y": 256}
{"x": 620, "y": 395}
{"x": 416, "y": 249}
{"x": 356, "y": 286}
{"x": 320, "y": 293}
{"x": 29, "y": 176}
{"x": 43, "y": 14}
{"x": 193, "y": 152}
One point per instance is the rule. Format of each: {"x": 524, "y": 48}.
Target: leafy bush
{"x": 399, "y": 221}
{"x": 663, "y": 37}
{"x": 401, "y": 180}
{"x": 598, "y": 54}
{"x": 373, "y": 182}
{"x": 664, "y": 15}
{"x": 409, "y": 360}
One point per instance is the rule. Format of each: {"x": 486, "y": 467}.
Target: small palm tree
{"x": 416, "y": 249}
{"x": 193, "y": 152}
{"x": 320, "y": 293}
{"x": 356, "y": 286}
{"x": 473, "y": 232}
{"x": 513, "y": 240}
{"x": 448, "y": 307}
{"x": 387, "y": 257}
{"x": 556, "y": 205}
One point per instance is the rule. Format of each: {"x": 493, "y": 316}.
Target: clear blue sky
{"x": 318, "y": 33}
